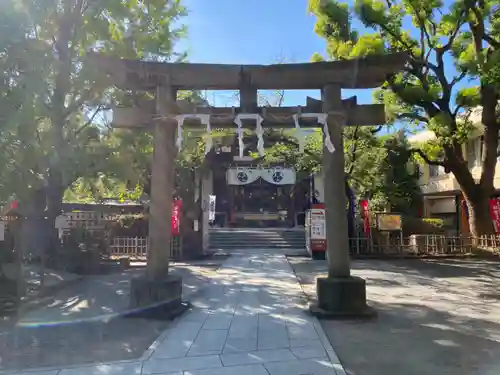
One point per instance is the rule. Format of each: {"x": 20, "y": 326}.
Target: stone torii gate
{"x": 339, "y": 293}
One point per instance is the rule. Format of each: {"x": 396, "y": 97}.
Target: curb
{"x": 332, "y": 355}
{"x": 140, "y": 360}
{"x": 35, "y": 301}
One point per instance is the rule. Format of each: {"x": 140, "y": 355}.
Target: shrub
{"x": 129, "y": 225}
{"x": 417, "y": 225}
{"x": 82, "y": 250}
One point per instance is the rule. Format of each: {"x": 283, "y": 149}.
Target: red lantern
{"x": 365, "y": 214}
{"x": 176, "y": 216}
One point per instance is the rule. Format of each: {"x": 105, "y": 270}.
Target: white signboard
{"x": 318, "y": 224}
{"x": 2, "y": 231}
{"x": 211, "y": 207}
{"x": 61, "y": 224}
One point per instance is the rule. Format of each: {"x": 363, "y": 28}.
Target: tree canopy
{"x": 376, "y": 166}
{"x": 453, "y": 65}
{"x": 52, "y": 96}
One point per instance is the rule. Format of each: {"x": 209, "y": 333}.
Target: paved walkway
{"x": 83, "y": 323}
{"x": 251, "y": 320}
{"x": 435, "y": 316}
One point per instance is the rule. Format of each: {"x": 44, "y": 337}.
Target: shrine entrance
{"x": 261, "y": 197}
{"x": 249, "y": 195}
{"x": 340, "y": 293}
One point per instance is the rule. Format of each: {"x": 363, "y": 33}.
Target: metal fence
{"x": 131, "y": 247}
{"x": 489, "y": 243}
{"x": 137, "y": 247}
{"x": 423, "y": 245}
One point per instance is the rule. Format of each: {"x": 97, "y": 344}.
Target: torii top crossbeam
{"x": 368, "y": 72}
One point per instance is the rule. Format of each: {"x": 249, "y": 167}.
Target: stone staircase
{"x": 247, "y": 238}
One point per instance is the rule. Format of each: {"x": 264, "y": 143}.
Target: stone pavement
{"x": 250, "y": 320}
{"x": 439, "y": 316}
{"x": 84, "y": 323}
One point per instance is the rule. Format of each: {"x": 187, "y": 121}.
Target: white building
{"x": 442, "y": 195}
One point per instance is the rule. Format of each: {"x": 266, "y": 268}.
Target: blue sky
{"x": 259, "y": 32}
{"x": 254, "y": 32}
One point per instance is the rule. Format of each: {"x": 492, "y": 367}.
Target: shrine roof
{"x": 367, "y": 72}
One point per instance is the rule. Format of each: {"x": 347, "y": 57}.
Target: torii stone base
{"x": 341, "y": 298}
{"x": 157, "y": 298}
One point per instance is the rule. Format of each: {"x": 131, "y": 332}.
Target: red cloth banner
{"x": 176, "y": 217}
{"x": 464, "y": 217}
{"x": 14, "y": 205}
{"x": 365, "y": 214}
{"x": 495, "y": 213}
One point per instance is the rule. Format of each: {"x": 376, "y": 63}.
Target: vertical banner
{"x": 365, "y": 214}
{"x": 176, "y": 217}
{"x": 464, "y": 216}
{"x": 495, "y": 213}
{"x": 211, "y": 207}
{"x": 14, "y": 205}
{"x": 351, "y": 218}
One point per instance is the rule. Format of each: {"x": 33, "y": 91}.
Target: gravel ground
{"x": 74, "y": 326}
{"x": 434, "y": 317}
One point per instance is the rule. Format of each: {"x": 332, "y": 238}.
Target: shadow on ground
{"x": 434, "y": 317}
{"x": 84, "y": 322}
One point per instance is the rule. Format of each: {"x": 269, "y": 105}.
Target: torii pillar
{"x": 158, "y": 292}
{"x": 339, "y": 294}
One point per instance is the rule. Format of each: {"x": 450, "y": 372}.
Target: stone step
{"x": 264, "y": 236}
{"x": 254, "y": 246}
{"x": 257, "y": 244}
{"x": 255, "y": 239}
{"x": 260, "y": 235}
{"x": 230, "y": 238}
{"x": 275, "y": 240}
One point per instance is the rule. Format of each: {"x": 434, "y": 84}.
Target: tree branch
{"x": 290, "y": 142}
{"x": 446, "y": 87}
{"x": 398, "y": 89}
{"x": 448, "y": 45}
{"x": 494, "y": 43}
{"x": 426, "y": 158}
{"x": 423, "y": 30}
{"x": 457, "y": 108}
{"x": 90, "y": 120}
{"x": 458, "y": 78}
{"x": 354, "y": 149}
{"x": 78, "y": 103}
{"x": 412, "y": 116}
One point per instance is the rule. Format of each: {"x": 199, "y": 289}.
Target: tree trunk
{"x": 54, "y": 197}
{"x": 480, "y": 221}
{"x": 477, "y": 195}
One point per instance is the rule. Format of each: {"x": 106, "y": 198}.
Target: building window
{"x": 498, "y": 150}
{"x": 473, "y": 148}
{"x": 436, "y": 170}
{"x": 433, "y": 170}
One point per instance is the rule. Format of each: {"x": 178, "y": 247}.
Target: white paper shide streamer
{"x": 205, "y": 120}
{"x": 260, "y": 135}
{"x": 322, "y": 117}
{"x": 240, "y": 135}
{"x": 180, "y": 123}
{"x": 259, "y": 130}
{"x": 301, "y": 134}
